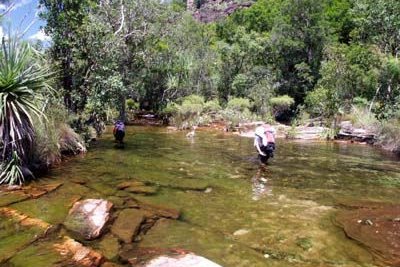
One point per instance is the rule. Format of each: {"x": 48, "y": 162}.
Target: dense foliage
{"x": 278, "y": 59}
{"x": 156, "y": 53}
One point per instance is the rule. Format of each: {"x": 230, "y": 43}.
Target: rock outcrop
{"x": 349, "y": 132}
{"x": 212, "y": 10}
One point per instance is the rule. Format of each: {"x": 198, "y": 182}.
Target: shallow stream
{"x": 233, "y": 211}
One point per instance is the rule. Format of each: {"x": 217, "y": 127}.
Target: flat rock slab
{"x": 79, "y": 254}
{"x": 88, "y": 218}
{"x": 146, "y": 190}
{"x": 38, "y": 254}
{"x": 137, "y": 187}
{"x": 127, "y": 184}
{"x": 14, "y": 194}
{"x": 160, "y": 211}
{"x": 377, "y": 227}
{"x": 18, "y": 231}
{"x": 8, "y": 198}
{"x": 109, "y": 247}
{"x": 127, "y": 225}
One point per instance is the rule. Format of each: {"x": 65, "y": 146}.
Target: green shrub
{"x": 186, "y": 114}
{"x": 192, "y": 105}
{"x": 239, "y": 104}
{"x": 281, "y": 104}
{"x": 132, "y": 104}
{"x": 360, "y": 102}
{"x": 238, "y": 111}
{"x": 212, "y": 106}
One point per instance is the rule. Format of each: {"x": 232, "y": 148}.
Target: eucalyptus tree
{"x": 70, "y": 46}
{"x": 378, "y": 22}
{"x": 124, "y": 36}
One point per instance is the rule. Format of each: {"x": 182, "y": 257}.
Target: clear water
{"x": 280, "y": 215}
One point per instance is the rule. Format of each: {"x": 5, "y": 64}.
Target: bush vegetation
{"x": 277, "y": 59}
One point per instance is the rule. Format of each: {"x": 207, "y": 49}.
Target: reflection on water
{"x": 260, "y": 183}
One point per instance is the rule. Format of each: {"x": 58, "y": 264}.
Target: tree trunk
{"x": 122, "y": 108}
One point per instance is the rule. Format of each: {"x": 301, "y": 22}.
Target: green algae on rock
{"x": 38, "y": 254}
{"x": 376, "y": 226}
{"x": 109, "y": 247}
{"x": 17, "y": 232}
{"x": 127, "y": 225}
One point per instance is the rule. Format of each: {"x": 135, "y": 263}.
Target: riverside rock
{"x": 88, "y": 218}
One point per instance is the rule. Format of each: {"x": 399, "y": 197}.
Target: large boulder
{"x": 88, "y": 218}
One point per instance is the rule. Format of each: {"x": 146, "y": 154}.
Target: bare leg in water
{"x": 260, "y": 185}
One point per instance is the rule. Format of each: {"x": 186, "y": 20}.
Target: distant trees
{"x": 155, "y": 53}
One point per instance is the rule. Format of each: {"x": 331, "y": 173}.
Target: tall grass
{"x": 386, "y": 131}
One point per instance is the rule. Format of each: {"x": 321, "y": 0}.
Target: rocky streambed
{"x": 93, "y": 232}
{"x": 166, "y": 200}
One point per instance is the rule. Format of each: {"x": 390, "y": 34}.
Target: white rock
{"x": 241, "y": 232}
{"x": 89, "y": 217}
{"x": 188, "y": 260}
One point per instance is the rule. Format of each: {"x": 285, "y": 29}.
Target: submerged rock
{"x": 160, "y": 211}
{"x": 79, "y": 254}
{"x": 137, "y": 188}
{"x": 375, "y": 227}
{"x": 109, "y": 247}
{"x": 17, "y": 231}
{"x": 124, "y": 185}
{"x": 15, "y": 194}
{"x": 88, "y": 218}
{"x": 241, "y": 232}
{"x": 127, "y": 225}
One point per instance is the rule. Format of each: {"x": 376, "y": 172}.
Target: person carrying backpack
{"x": 119, "y": 131}
{"x": 264, "y": 141}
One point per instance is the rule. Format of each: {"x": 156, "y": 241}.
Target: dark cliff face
{"x": 212, "y": 10}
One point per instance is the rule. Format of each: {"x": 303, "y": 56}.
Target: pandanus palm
{"x": 22, "y": 82}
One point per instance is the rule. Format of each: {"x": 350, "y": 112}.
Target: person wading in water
{"x": 119, "y": 132}
{"x": 264, "y": 141}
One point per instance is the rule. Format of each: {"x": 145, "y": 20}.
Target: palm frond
{"x": 22, "y": 82}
